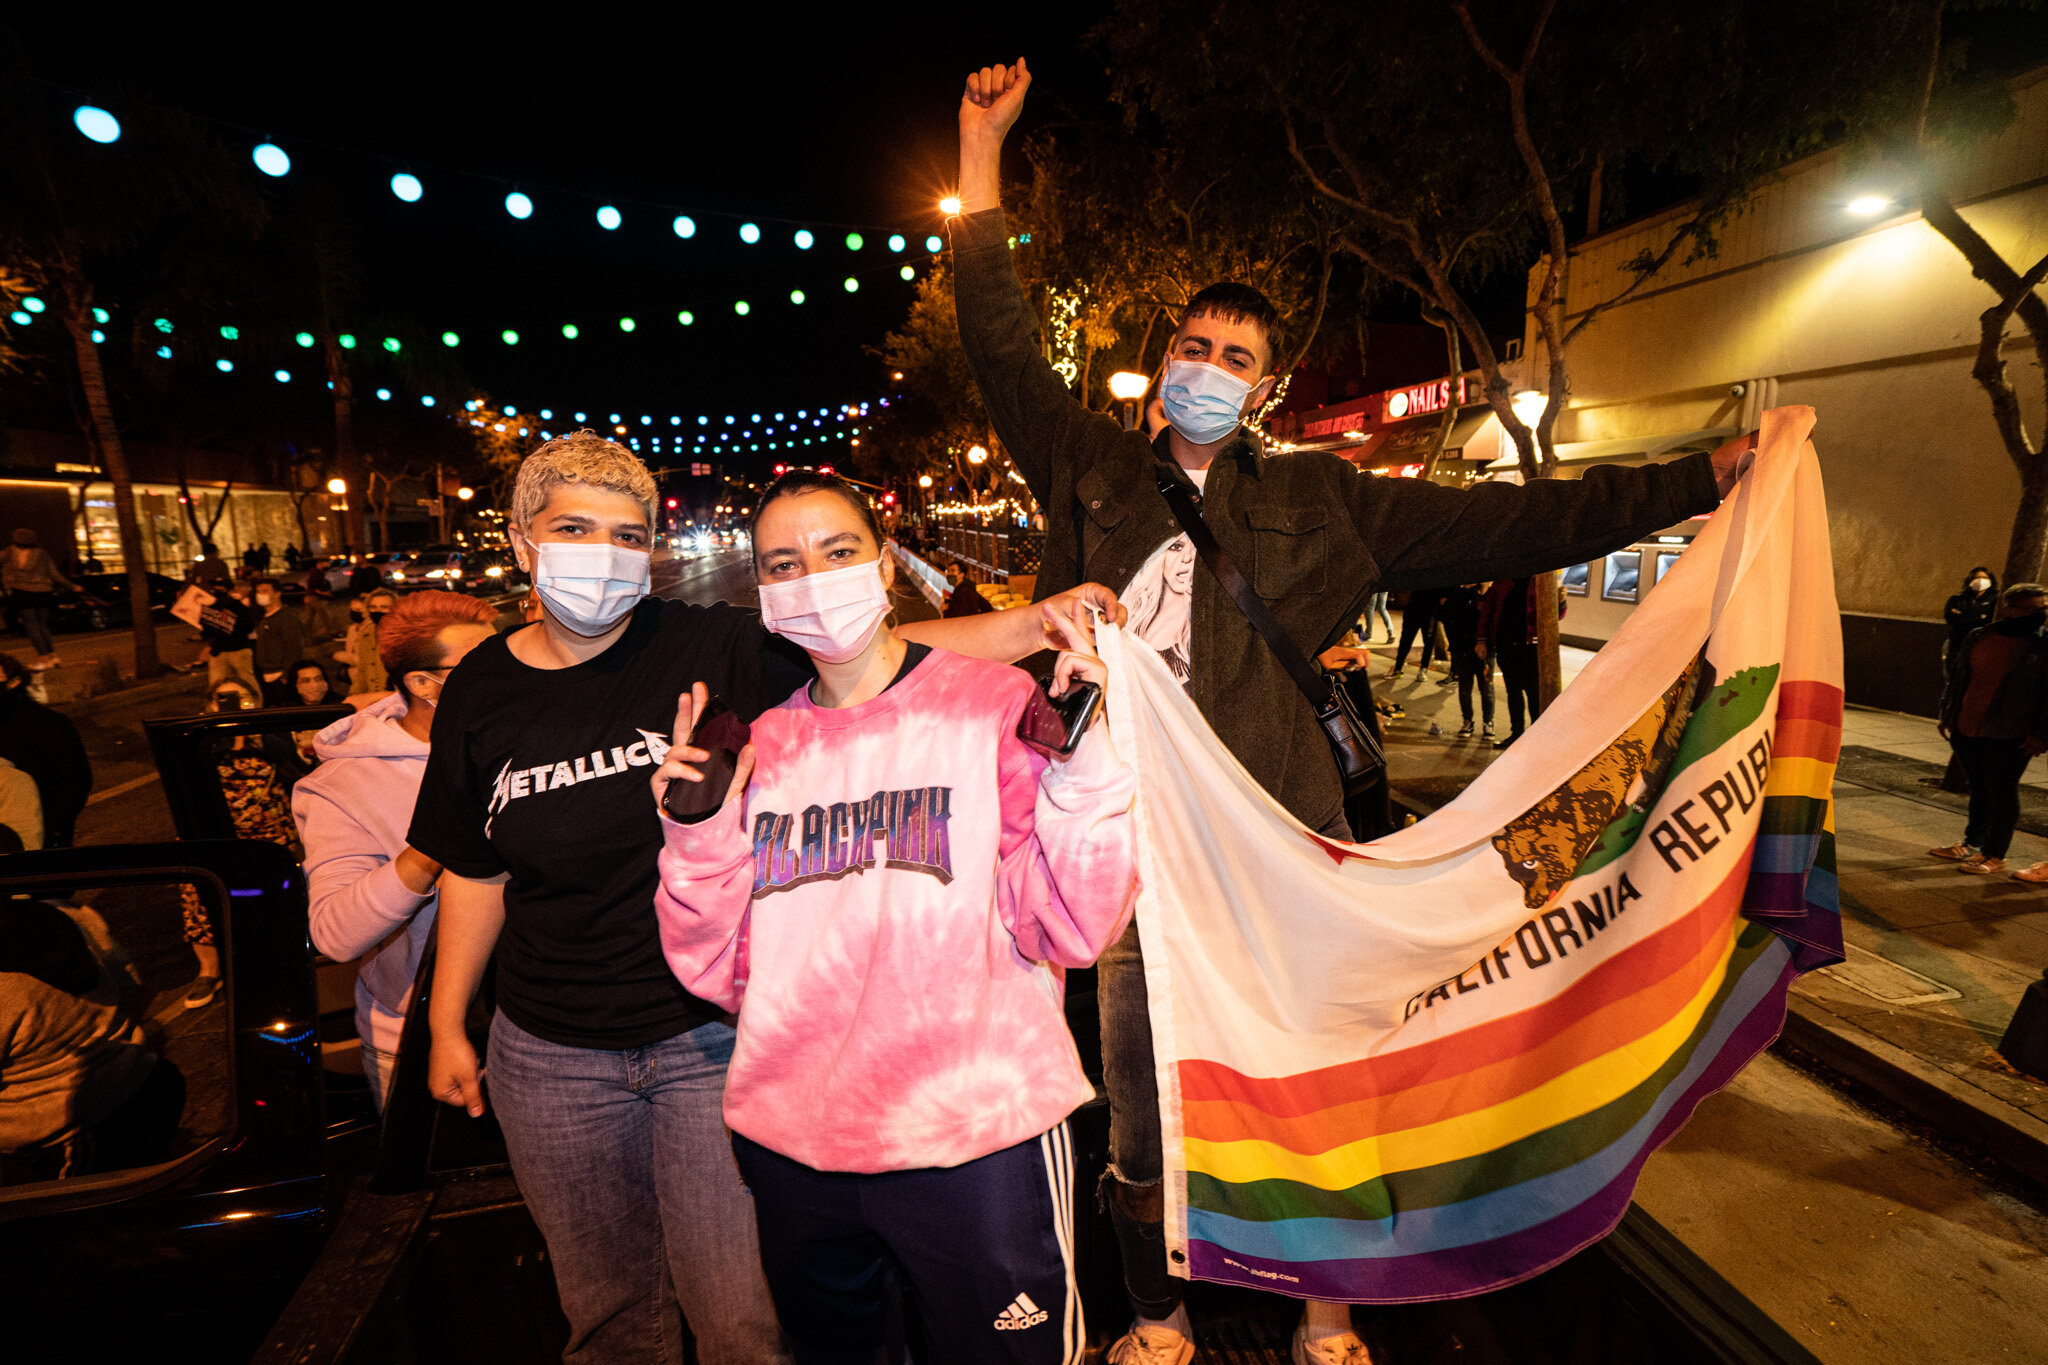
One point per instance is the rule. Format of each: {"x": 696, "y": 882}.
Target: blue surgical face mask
{"x": 1202, "y": 402}
{"x": 590, "y": 588}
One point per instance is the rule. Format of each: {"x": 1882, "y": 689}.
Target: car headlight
{"x": 494, "y": 572}
{"x": 437, "y": 573}
{"x": 398, "y": 573}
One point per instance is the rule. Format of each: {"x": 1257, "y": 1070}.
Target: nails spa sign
{"x": 1420, "y": 399}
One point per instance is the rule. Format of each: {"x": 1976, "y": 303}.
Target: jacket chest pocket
{"x": 1101, "y": 511}
{"x": 1290, "y": 550}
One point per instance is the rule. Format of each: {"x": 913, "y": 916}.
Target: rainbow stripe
{"x": 1482, "y": 1157}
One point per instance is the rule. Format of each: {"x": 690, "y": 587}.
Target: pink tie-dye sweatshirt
{"x": 888, "y": 909}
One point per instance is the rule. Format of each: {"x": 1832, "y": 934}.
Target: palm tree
{"x": 73, "y": 208}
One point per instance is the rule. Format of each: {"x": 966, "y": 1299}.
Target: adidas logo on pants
{"x": 1021, "y": 1313}
{"x": 837, "y": 1247}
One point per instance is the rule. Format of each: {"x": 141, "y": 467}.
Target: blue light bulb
{"x": 271, "y": 159}
{"x": 407, "y": 187}
{"x": 518, "y": 205}
{"x": 608, "y": 218}
{"x": 96, "y": 123}
{"x": 685, "y": 226}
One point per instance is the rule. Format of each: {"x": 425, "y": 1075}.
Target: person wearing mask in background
{"x": 366, "y": 887}
{"x": 1459, "y": 615}
{"x": 44, "y": 744}
{"x": 359, "y": 647}
{"x": 605, "y": 1074}
{"x": 863, "y": 998}
{"x": 1994, "y": 711}
{"x": 962, "y": 598}
{"x": 256, "y": 775}
{"x": 31, "y": 579}
{"x": 210, "y": 568}
{"x": 280, "y": 639}
{"x": 81, "y": 1092}
{"x": 1418, "y": 619}
{"x": 1314, "y": 538}
{"x": 1972, "y": 609}
{"x": 310, "y": 685}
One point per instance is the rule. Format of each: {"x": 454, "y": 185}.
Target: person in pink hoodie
{"x": 888, "y": 896}
{"x": 353, "y": 810}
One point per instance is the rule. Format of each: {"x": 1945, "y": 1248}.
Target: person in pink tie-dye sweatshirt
{"x": 887, "y": 897}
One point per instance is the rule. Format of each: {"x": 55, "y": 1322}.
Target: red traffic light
{"x": 888, "y": 499}
{"x": 671, "y": 502}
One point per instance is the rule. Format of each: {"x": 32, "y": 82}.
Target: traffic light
{"x": 780, "y": 470}
{"x": 671, "y": 504}
{"x": 888, "y": 499}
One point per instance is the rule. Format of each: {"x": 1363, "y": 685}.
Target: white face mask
{"x": 1203, "y": 402}
{"x": 832, "y": 615}
{"x": 1979, "y": 584}
{"x": 590, "y": 588}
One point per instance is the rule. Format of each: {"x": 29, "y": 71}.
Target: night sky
{"x": 785, "y": 119}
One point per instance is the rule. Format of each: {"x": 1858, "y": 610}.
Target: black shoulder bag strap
{"x": 1359, "y": 758}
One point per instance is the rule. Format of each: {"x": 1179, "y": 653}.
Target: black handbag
{"x": 1360, "y": 760}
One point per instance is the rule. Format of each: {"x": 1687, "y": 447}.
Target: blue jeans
{"x": 624, "y": 1162}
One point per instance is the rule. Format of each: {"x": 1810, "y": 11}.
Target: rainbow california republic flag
{"x": 1433, "y": 1065}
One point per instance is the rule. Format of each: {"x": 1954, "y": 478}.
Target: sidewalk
{"x": 1937, "y": 960}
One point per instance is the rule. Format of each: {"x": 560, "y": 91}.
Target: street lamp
{"x": 465, "y": 493}
{"x": 976, "y": 454}
{"x": 1127, "y": 387}
{"x": 1528, "y": 405}
{"x": 337, "y": 486}
{"x": 924, "y": 481}
{"x": 950, "y": 205}
{"x": 1869, "y": 205}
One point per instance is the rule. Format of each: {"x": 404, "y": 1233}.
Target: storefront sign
{"x": 1418, "y": 400}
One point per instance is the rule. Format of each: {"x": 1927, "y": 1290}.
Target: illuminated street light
{"x": 1127, "y": 387}
{"x": 976, "y": 454}
{"x": 465, "y": 493}
{"x": 1528, "y": 405}
{"x": 1869, "y": 205}
{"x": 337, "y": 486}
{"x": 950, "y": 205}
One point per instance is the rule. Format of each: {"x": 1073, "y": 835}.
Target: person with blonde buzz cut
{"x": 606, "y": 1075}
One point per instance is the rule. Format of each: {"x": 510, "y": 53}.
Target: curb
{"x": 1945, "y": 1101}
{"x": 155, "y": 687}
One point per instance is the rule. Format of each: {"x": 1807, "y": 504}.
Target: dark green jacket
{"x": 1313, "y": 534}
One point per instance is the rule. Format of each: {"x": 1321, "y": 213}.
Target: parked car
{"x": 432, "y": 568}
{"x": 103, "y": 602}
{"x": 492, "y": 571}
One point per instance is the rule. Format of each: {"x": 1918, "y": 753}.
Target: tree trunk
{"x": 1549, "y": 667}
{"x": 1455, "y": 357}
{"x": 78, "y": 321}
{"x": 353, "y": 473}
{"x": 2023, "y": 553}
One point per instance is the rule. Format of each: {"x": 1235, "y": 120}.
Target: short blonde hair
{"x": 580, "y": 457}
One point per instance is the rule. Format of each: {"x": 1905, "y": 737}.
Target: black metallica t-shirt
{"x": 542, "y": 773}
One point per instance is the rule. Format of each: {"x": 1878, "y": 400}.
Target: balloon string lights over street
{"x": 102, "y": 126}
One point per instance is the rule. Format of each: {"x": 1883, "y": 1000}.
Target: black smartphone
{"x": 723, "y": 734}
{"x": 1054, "y": 725}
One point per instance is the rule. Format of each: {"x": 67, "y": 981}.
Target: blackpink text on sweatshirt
{"x": 892, "y": 899}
